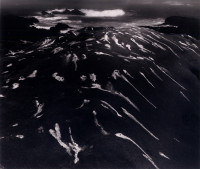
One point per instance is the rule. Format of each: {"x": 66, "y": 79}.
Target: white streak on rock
{"x": 126, "y": 72}
{"x": 84, "y": 56}
{"x": 129, "y": 47}
{"x": 184, "y": 96}
{"x": 75, "y": 60}
{"x": 21, "y": 78}
{"x": 147, "y": 79}
{"x": 150, "y": 160}
{"x": 39, "y": 108}
{"x": 20, "y": 136}
{"x": 141, "y": 47}
{"x": 176, "y": 140}
{"x": 75, "y": 147}
{"x": 98, "y": 124}
{"x": 156, "y": 74}
{"x": 163, "y": 155}
{"x": 9, "y": 65}
{"x": 112, "y": 108}
{"x": 93, "y": 77}
{"x": 108, "y": 46}
{"x": 85, "y": 101}
{"x": 117, "y": 41}
{"x": 32, "y": 75}
{"x": 1, "y": 96}
{"x": 162, "y": 70}
{"x": 101, "y": 53}
{"x": 139, "y": 123}
{"x": 47, "y": 42}
{"x": 15, "y": 125}
{"x": 57, "y": 135}
{"x": 29, "y": 52}
{"x": 15, "y": 85}
{"x": 120, "y": 135}
{"x": 117, "y": 74}
{"x": 68, "y": 58}
{"x": 57, "y": 50}
{"x": 69, "y": 147}
{"x": 58, "y": 78}
{"x": 83, "y": 78}
{"x": 97, "y": 86}
{"x": 105, "y": 38}
{"x": 8, "y": 80}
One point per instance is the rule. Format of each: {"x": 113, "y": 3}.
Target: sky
{"x": 151, "y": 8}
{"x": 93, "y": 3}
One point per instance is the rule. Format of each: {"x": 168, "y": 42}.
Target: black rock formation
{"x": 16, "y": 29}
{"x": 179, "y": 25}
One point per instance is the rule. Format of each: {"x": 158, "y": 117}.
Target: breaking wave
{"x": 104, "y": 13}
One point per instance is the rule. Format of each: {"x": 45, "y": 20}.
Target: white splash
{"x": 104, "y": 13}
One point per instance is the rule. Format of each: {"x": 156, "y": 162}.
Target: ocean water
{"x": 97, "y": 18}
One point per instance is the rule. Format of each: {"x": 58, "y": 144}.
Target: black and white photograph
{"x": 99, "y": 84}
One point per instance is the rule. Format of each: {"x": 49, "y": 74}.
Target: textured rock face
{"x": 102, "y": 98}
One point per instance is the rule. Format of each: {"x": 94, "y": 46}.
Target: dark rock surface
{"x": 180, "y": 25}
{"x": 102, "y": 98}
{"x": 18, "y": 33}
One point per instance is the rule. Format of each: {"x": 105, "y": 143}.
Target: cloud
{"x": 176, "y": 3}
